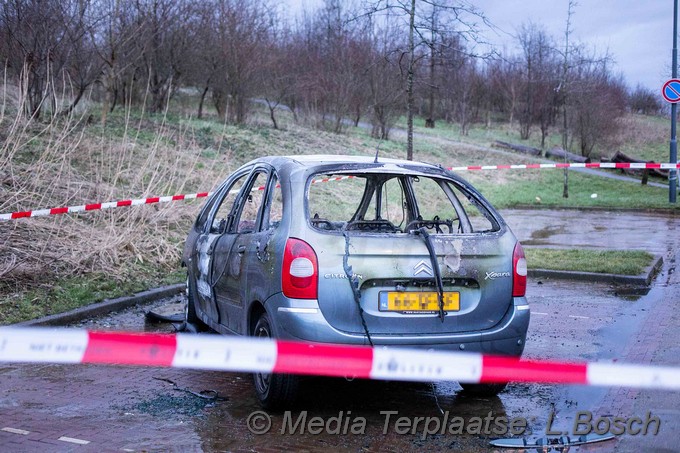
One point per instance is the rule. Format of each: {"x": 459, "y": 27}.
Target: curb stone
{"x": 538, "y": 207}
{"x": 638, "y": 280}
{"x": 105, "y": 306}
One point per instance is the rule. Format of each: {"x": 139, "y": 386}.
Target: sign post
{"x": 670, "y": 86}
{"x": 671, "y": 93}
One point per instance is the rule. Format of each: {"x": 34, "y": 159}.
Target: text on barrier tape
{"x": 243, "y": 354}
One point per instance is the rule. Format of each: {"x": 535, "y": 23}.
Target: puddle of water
{"x": 653, "y": 232}
{"x": 547, "y": 231}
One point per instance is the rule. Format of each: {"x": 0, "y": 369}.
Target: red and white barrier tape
{"x": 241, "y": 354}
{"x": 610, "y": 165}
{"x": 98, "y": 206}
{"x": 165, "y": 199}
{"x": 121, "y": 203}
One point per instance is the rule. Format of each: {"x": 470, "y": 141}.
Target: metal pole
{"x": 673, "y": 174}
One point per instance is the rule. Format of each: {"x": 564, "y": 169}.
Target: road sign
{"x": 671, "y": 91}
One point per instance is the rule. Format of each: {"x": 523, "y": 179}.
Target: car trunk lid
{"x": 397, "y": 287}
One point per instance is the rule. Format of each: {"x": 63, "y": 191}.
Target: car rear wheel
{"x": 275, "y": 391}
{"x": 483, "y": 389}
{"x": 192, "y": 323}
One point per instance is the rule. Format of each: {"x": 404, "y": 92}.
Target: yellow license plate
{"x": 417, "y": 301}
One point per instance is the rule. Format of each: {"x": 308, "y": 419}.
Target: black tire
{"x": 483, "y": 389}
{"x": 192, "y": 323}
{"x": 275, "y": 391}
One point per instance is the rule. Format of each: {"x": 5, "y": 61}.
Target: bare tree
{"x": 333, "y": 84}
{"x": 163, "y": 43}
{"x": 644, "y": 101}
{"x": 82, "y": 67}
{"x": 426, "y": 20}
{"x": 458, "y": 84}
{"x": 386, "y": 88}
{"x": 563, "y": 92}
{"x": 44, "y": 44}
{"x": 597, "y": 100}
{"x": 278, "y": 74}
{"x": 540, "y": 78}
{"x": 505, "y": 81}
{"x": 113, "y": 39}
{"x": 241, "y": 32}
{"x": 203, "y": 59}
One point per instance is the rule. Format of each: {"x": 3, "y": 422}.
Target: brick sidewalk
{"x": 656, "y": 343}
{"x": 95, "y": 404}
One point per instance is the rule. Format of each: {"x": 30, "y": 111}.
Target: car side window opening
{"x": 222, "y": 216}
{"x": 384, "y": 203}
{"x": 479, "y": 218}
{"x": 273, "y": 214}
{"x": 393, "y": 205}
{"x": 250, "y": 204}
{"x": 217, "y": 198}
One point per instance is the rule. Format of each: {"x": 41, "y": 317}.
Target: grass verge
{"x": 622, "y": 262}
{"x": 545, "y": 187}
{"x": 69, "y": 293}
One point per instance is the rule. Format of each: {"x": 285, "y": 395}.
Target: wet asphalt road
{"x": 151, "y": 409}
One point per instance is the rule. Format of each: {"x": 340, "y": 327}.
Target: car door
{"x": 235, "y": 248}
{"x": 219, "y": 215}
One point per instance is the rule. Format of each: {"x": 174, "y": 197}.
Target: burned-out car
{"x": 353, "y": 250}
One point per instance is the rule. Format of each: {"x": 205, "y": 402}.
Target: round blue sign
{"x": 671, "y": 90}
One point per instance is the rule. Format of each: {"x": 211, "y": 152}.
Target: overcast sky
{"x": 638, "y": 34}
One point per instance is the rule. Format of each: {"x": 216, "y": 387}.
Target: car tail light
{"x": 519, "y": 272}
{"x": 299, "y": 276}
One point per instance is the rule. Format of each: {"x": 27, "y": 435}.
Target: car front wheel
{"x": 275, "y": 391}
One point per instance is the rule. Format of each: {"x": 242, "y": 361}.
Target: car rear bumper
{"x": 303, "y": 320}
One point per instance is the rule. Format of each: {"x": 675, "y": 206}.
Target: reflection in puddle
{"x": 538, "y": 237}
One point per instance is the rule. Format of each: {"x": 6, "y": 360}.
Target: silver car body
{"x": 238, "y": 269}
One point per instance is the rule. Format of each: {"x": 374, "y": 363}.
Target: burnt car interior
{"x": 395, "y": 203}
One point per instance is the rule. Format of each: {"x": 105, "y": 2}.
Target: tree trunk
{"x": 106, "y": 105}
{"x": 272, "y": 108}
{"x": 75, "y": 102}
{"x": 544, "y": 134}
{"x": 409, "y": 82}
{"x": 357, "y": 117}
{"x": 200, "y": 103}
{"x": 430, "y": 120}
{"x": 519, "y": 148}
{"x": 115, "y": 99}
{"x": 566, "y": 155}
{"x": 565, "y": 188}
{"x": 218, "y": 101}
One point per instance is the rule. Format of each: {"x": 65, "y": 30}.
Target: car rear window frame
{"x": 444, "y": 180}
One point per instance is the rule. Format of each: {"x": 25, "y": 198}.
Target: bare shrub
{"x": 67, "y": 162}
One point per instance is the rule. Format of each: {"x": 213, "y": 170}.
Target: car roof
{"x": 314, "y": 160}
